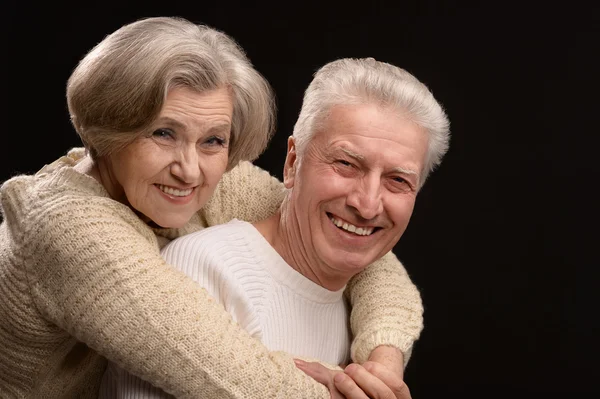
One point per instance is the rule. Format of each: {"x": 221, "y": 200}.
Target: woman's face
{"x": 170, "y": 173}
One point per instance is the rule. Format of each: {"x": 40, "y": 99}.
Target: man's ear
{"x": 289, "y": 168}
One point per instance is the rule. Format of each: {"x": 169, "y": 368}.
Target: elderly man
{"x": 368, "y": 135}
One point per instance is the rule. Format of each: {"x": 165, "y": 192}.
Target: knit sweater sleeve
{"x": 246, "y": 192}
{"x": 386, "y": 305}
{"x": 386, "y": 309}
{"x": 96, "y": 272}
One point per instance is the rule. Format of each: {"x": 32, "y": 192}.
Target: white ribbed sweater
{"x": 79, "y": 270}
{"x": 267, "y": 297}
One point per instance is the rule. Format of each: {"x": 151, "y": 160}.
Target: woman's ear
{"x": 289, "y": 168}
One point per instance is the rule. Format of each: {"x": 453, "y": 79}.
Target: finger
{"x": 389, "y": 378}
{"x": 317, "y": 371}
{"x": 348, "y": 387}
{"x": 369, "y": 383}
{"x": 322, "y": 375}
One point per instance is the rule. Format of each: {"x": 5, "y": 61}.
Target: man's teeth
{"x": 175, "y": 192}
{"x": 361, "y": 231}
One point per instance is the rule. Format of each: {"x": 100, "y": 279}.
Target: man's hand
{"x": 390, "y": 357}
{"x": 375, "y": 380}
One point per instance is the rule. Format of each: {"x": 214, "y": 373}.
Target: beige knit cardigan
{"x": 82, "y": 279}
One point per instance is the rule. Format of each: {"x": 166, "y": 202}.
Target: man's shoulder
{"x": 215, "y": 239}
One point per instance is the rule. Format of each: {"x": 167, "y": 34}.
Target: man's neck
{"x": 281, "y": 230}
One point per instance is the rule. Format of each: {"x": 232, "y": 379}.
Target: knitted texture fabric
{"x": 268, "y": 298}
{"x": 82, "y": 279}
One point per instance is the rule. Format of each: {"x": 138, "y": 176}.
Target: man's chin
{"x": 353, "y": 263}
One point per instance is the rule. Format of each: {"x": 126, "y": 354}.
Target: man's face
{"x": 354, "y": 186}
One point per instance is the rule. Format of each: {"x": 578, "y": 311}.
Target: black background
{"x": 497, "y": 240}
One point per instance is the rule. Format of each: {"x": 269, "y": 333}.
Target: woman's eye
{"x": 162, "y": 133}
{"x": 216, "y": 141}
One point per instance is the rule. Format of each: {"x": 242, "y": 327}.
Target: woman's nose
{"x": 186, "y": 166}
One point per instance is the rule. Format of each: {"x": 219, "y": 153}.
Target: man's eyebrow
{"x": 353, "y": 154}
{"x": 405, "y": 171}
{"x": 397, "y": 169}
{"x": 409, "y": 172}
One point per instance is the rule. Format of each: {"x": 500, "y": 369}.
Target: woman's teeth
{"x": 361, "y": 231}
{"x": 175, "y": 192}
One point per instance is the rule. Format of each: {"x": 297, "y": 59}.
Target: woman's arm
{"x": 246, "y": 192}
{"x": 386, "y": 305}
{"x": 386, "y": 309}
{"x": 96, "y": 272}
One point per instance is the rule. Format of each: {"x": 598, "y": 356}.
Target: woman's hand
{"x": 371, "y": 380}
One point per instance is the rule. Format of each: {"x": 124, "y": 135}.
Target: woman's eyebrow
{"x": 171, "y": 122}
{"x": 220, "y": 128}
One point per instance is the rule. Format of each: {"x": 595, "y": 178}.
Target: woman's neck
{"x": 99, "y": 171}
{"x": 88, "y": 167}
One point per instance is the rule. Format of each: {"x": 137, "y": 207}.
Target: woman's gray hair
{"x": 118, "y": 89}
{"x": 352, "y": 81}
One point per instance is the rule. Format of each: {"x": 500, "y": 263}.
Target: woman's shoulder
{"x": 57, "y": 178}
{"x": 57, "y": 194}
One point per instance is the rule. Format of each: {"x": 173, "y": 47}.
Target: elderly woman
{"x": 164, "y": 107}
{"x": 357, "y": 159}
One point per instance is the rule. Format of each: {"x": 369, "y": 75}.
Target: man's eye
{"x": 343, "y": 162}
{"x": 399, "y": 179}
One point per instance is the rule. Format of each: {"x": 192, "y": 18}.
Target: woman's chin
{"x": 167, "y": 224}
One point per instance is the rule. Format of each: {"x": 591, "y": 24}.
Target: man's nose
{"x": 365, "y": 198}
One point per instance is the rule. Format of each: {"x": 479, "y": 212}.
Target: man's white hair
{"x": 351, "y": 81}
